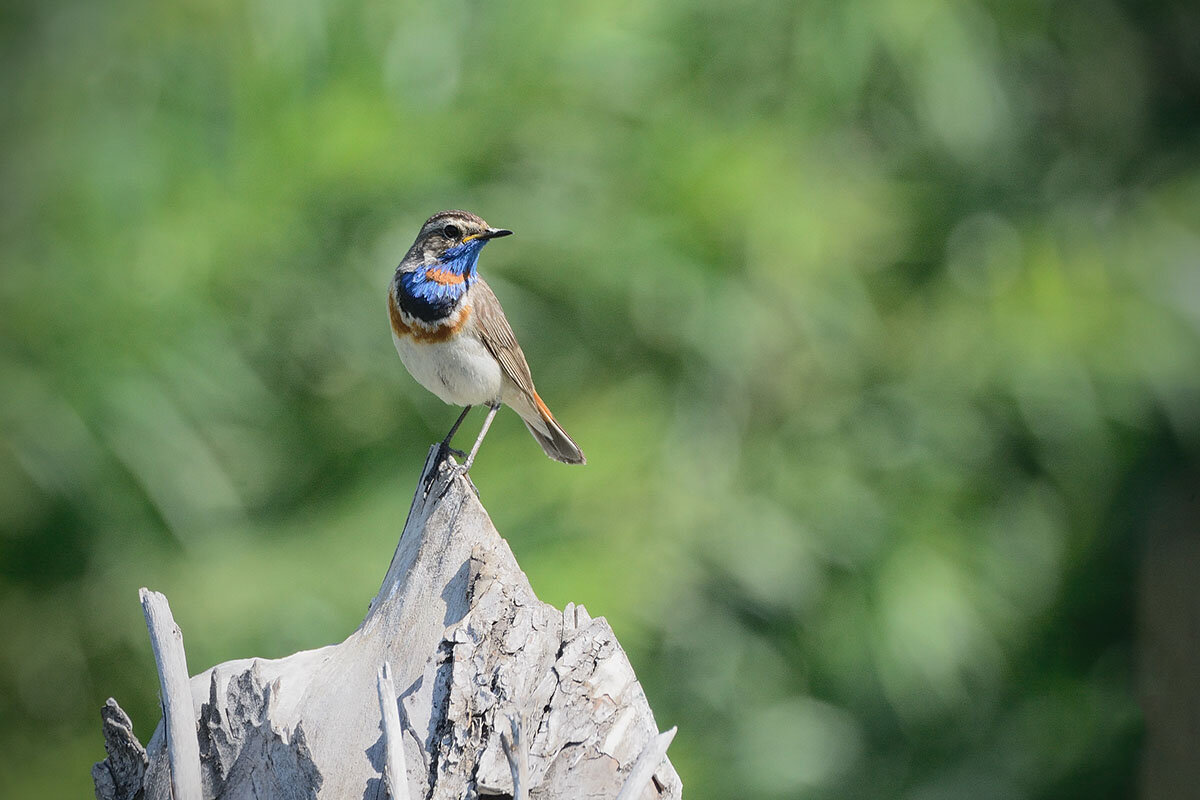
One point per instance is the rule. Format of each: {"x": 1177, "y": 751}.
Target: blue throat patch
{"x": 430, "y": 300}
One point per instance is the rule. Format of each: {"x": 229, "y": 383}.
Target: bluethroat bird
{"x": 452, "y": 335}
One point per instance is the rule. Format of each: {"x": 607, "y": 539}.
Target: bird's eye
{"x": 451, "y": 232}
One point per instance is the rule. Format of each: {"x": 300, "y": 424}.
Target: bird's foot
{"x": 446, "y": 464}
{"x": 460, "y": 471}
{"x": 445, "y": 451}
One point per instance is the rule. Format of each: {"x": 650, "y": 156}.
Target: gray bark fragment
{"x": 243, "y": 752}
{"x": 469, "y": 647}
{"x": 119, "y": 777}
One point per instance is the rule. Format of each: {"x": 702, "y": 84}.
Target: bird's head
{"x": 450, "y": 237}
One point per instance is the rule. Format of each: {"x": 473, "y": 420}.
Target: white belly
{"x": 460, "y": 371}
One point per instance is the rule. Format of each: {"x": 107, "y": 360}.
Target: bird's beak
{"x": 490, "y": 233}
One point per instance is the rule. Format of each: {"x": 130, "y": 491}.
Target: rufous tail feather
{"x": 554, "y": 440}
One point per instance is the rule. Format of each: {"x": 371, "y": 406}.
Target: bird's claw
{"x": 445, "y": 451}
{"x": 446, "y": 470}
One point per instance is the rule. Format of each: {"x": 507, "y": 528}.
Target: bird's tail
{"x": 550, "y": 435}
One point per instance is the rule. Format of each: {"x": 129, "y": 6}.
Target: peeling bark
{"x": 469, "y": 647}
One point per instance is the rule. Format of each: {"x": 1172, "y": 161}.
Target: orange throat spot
{"x": 444, "y": 277}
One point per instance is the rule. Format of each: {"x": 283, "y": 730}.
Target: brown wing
{"x": 498, "y": 336}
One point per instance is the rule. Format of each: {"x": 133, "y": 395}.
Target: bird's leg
{"x": 454, "y": 429}
{"x": 493, "y": 407}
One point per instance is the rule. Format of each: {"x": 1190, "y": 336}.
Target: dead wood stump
{"x": 474, "y": 658}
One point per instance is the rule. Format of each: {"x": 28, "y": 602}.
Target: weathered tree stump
{"x": 494, "y": 688}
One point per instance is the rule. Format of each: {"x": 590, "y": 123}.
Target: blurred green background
{"x": 879, "y": 322}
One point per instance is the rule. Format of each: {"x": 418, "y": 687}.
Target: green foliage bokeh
{"x": 874, "y": 318}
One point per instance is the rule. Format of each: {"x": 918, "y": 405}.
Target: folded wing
{"x": 498, "y": 337}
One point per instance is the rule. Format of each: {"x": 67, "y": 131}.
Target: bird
{"x": 454, "y": 339}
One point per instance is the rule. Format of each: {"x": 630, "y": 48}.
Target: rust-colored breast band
{"x": 441, "y": 333}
